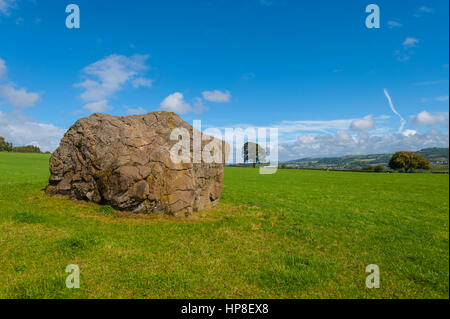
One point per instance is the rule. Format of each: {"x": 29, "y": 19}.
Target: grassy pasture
{"x": 295, "y": 234}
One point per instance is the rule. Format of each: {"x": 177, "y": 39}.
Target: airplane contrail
{"x": 403, "y": 121}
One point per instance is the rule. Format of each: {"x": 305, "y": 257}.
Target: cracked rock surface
{"x": 125, "y": 162}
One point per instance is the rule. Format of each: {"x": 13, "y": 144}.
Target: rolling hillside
{"x": 434, "y": 155}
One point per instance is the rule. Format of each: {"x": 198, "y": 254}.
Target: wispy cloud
{"x": 142, "y": 82}
{"x": 423, "y": 10}
{"x": 391, "y": 105}
{"x": 313, "y": 126}
{"x": 404, "y": 53}
{"x": 17, "y": 97}
{"x": 443, "y": 98}
{"x": 342, "y": 143}
{"x": 198, "y": 106}
{"x": 410, "y": 42}
{"x": 394, "y": 24}
{"x": 3, "y": 69}
{"x": 107, "y": 76}
{"x": 6, "y": 6}
{"x": 217, "y": 96}
{"x": 426, "y": 9}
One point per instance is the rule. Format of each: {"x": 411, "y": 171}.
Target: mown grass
{"x": 295, "y": 234}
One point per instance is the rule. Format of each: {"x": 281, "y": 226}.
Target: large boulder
{"x": 126, "y": 162}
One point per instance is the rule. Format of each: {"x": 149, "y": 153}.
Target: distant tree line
{"x": 4, "y": 145}
{"x": 8, "y": 147}
{"x": 405, "y": 162}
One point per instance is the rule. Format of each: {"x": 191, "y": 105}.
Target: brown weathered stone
{"x": 125, "y": 162}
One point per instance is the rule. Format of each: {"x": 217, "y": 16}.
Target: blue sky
{"x": 310, "y": 68}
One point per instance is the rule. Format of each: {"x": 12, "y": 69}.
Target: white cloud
{"x": 136, "y": 111}
{"x": 306, "y": 138}
{"x": 288, "y": 130}
{"x": 409, "y": 132}
{"x": 6, "y": 5}
{"x": 97, "y": 107}
{"x": 176, "y": 103}
{"x": 394, "y": 24}
{"x": 365, "y": 124}
{"x": 300, "y": 139}
{"x": 18, "y": 97}
{"x": 217, "y": 96}
{"x": 21, "y": 130}
{"x": 426, "y": 118}
{"x": 410, "y": 42}
{"x": 3, "y": 68}
{"x": 342, "y": 143}
{"x": 107, "y": 76}
{"x": 142, "y": 82}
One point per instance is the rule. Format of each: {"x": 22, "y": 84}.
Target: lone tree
{"x": 407, "y": 161}
{"x": 4, "y": 145}
{"x": 254, "y": 153}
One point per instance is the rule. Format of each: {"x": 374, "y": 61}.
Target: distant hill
{"x": 434, "y": 155}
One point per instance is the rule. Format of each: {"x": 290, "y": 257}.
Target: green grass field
{"x": 295, "y": 234}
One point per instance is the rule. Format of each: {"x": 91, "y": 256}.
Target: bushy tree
{"x": 4, "y": 145}
{"x": 408, "y": 161}
{"x": 252, "y": 152}
{"x": 379, "y": 169}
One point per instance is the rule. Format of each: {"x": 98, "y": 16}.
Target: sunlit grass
{"x": 295, "y": 234}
